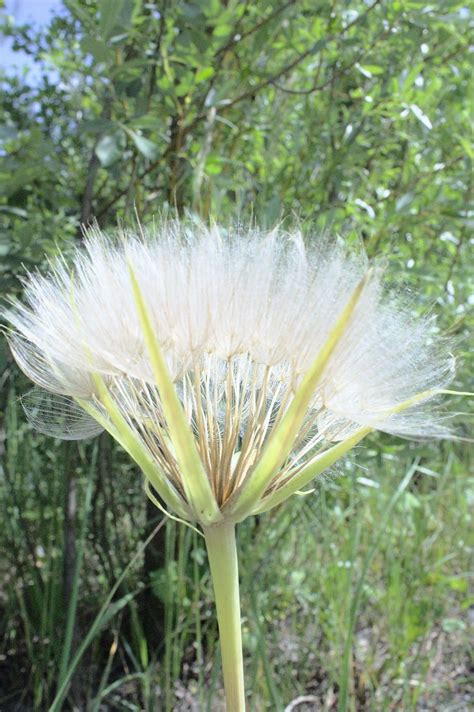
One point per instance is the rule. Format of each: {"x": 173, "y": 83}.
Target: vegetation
{"x": 353, "y": 118}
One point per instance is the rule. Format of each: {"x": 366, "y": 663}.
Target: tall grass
{"x": 356, "y": 595}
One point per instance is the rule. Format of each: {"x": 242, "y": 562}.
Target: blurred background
{"x": 353, "y": 118}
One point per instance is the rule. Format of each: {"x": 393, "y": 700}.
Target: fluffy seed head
{"x": 240, "y": 317}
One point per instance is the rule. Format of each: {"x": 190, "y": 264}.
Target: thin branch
{"x": 337, "y": 73}
{"x": 86, "y": 204}
{"x": 245, "y": 95}
{"x": 298, "y": 60}
{"x": 233, "y": 41}
{"x": 142, "y": 175}
{"x": 92, "y": 171}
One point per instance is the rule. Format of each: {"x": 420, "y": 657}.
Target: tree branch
{"x": 284, "y": 70}
{"x": 233, "y": 42}
{"x": 245, "y": 95}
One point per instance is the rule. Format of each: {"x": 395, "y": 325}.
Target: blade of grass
{"x": 170, "y": 546}
{"x": 116, "y": 685}
{"x": 72, "y": 607}
{"x": 272, "y": 690}
{"x": 95, "y": 703}
{"x": 356, "y": 598}
{"x": 106, "y": 613}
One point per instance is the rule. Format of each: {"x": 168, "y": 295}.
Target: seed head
{"x": 233, "y": 365}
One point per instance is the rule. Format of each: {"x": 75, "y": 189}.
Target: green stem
{"x": 222, "y": 553}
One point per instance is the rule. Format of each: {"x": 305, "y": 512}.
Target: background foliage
{"x": 352, "y": 117}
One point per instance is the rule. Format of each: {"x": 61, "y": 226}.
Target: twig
{"x": 245, "y": 95}
{"x": 287, "y": 68}
{"x": 233, "y": 41}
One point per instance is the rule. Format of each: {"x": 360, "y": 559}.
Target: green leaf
{"x": 163, "y": 581}
{"x": 110, "y": 148}
{"x": 185, "y": 86}
{"x": 452, "y": 625}
{"x": 144, "y": 145}
{"x": 467, "y": 146}
{"x": 213, "y": 165}
{"x": 204, "y": 73}
{"x": 97, "y": 48}
{"x": 421, "y": 116}
{"x": 404, "y": 201}
{"x": 374, "y": 68}
{"x": 110, "y": 11}
{"x": 77, "y": 11}
{"x": 97, "y": 126}
{"x": 222, "y": 30}
{"x": 18, "y": 212}
{"x": 211, "y": 8}
{"x": 8, "y": 132}
{"x": 456, "y": 583}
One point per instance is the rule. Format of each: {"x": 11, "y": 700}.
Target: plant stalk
{"x": 222, "y": 553}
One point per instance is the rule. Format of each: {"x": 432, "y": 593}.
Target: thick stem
{"x": 222, "y": 553}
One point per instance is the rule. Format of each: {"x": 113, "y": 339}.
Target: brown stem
{"x": 92, "y": 170}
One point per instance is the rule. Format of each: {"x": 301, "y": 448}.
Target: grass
{"x": 354, "y": 597}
